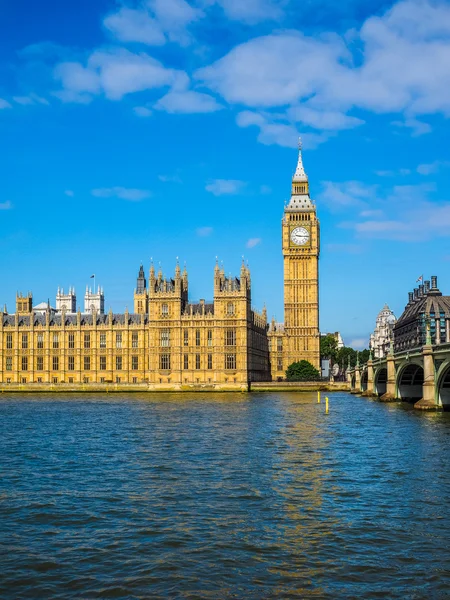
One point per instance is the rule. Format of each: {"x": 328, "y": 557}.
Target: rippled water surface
{"x": 222, "y": 496}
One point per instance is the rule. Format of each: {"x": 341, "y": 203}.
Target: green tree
{"x": 364, "y": 356}
{"x": 328, "y": 347}
{"x": 344, "y": 354}
{"x": 302, "y": 371}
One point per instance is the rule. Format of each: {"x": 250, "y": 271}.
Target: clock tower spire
{"x": 301, "y": 247}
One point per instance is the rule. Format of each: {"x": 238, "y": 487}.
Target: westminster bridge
{"x": 419, "y": 375}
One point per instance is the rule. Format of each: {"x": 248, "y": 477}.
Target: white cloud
{"x": 115, "y": 73}
{"x": 130, "y": 25}
{"x": 187, "y": 102}
{"x": 346, "y": 194}
{"x": 23, "y": 100}
{"x": 430, "y": 168}
{"x": 249, "y": 11}
{"x": 403, "y": 213}
{"x": 204, "y": 231}
{"x": 70, "y": 193}
{"x": 417, "y": 127}
{"x": 321, "y": 119}
{"x": 221, "y": 187}
{"x": 252, "y": 242}
{"x": 155, "y": 22}
{"x": 4, "y": 104}
{"x": 142, "y": 111}
{"x": 276, "y": 132}
{"x": 371, "y": 213}
{"x": 399, "y": 65}
{"x": 359, "y": 343}
{"x": 6, "y": 205}
{"x": 131, "y": 194}
{"x": 170, "y": 178}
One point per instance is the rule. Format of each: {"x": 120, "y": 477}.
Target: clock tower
{"x": 301, "y": 247}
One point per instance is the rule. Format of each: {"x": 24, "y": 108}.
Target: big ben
{"x": 301, "y": 247}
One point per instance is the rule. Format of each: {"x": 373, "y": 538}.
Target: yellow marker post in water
{"x": 318, "y": 397}
{"x": 326, "y": 405}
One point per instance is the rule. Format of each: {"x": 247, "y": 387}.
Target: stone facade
{"x": 383, "y": 335}
{"x": 170, "y": 342}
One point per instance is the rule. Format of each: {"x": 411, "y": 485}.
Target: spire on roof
{"x": 300, "y": 174}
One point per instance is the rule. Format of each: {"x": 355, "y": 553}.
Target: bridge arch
{"x": 443, "y": 386}
{"x": 409, "y": 383}
{"x": 380, "y": 381}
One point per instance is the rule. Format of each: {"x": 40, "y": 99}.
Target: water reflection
{"x": 225, "y": 496}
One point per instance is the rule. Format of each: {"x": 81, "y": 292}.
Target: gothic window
{"x": 9, "y": 341}
{"x": 134, "y": 363}
{"x": 25, "y": 340}
{"x": 230, "y": 309}
{"x": 186, "y": 337}
{"x": 230, "y": 337}
{"x": 71, "y": 363}
{"x": 197, "y": 337}
{"x": 40, "y": 340}
{"x": 118, "y": 363}
{"x": 87, "y": 341}
{"x": 279, "y": 364}
{"x": 9, "y": 363}
{"x": 40, "y": 363}
{"x": 87, "y": 363}
{"x": 24, "y": 363}
{"x": 119, "y": 341}
{"x": 165, "y": 338}
{"x": 165, "y": 310}
{"x": 164, "y": 362}
{"x": 134, "y": 340}
{"x": 197, "y": 361}
{"x": 210, "y": 337}
{"x": 230, "y": 361}
{"x": 280, "y": 344}
{"x": 186, "y": 362}
{"x": 55, "y": 341}
{"x": 55, "y": 363}
{"x": 210, "y": 361}
{"x": 103, "y": 340}
{"x": 71, "y": 340}
{"x": 102, "y": 363}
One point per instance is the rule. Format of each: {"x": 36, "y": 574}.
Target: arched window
{"x": 165, "y": 310}
{"x": 230, "y": 308}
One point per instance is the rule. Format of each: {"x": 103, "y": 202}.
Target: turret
{"x": 24, "y": 304}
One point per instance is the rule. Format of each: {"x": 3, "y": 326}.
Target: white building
{"x": 94, "y": 301}
{"x": 382, "y": 338}
{"x": 67, "y": 302}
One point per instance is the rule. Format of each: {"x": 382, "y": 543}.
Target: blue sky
{"x": 168, "y": 128}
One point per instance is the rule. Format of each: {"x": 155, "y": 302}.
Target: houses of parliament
{"x": 169, "y": 342}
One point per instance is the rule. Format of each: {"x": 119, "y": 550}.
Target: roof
{"x": 71, "y": 319}
{"x": 197, "y": 308}
{"x": 434, "y": 303}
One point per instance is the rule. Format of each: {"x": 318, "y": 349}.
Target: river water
{"x": 222, "y": 496}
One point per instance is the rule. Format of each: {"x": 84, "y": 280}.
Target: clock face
{"x": 299, "y": 236}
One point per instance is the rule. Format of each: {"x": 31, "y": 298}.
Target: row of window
{"x": 164, "y": 362}
{"x": 230, "y": 339}
{"x": 71, "y": 340}
{"x": 70, "y": 363}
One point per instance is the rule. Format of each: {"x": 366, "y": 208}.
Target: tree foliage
{"x": 302, "y": 371}
{"x": 328, "y": 347}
